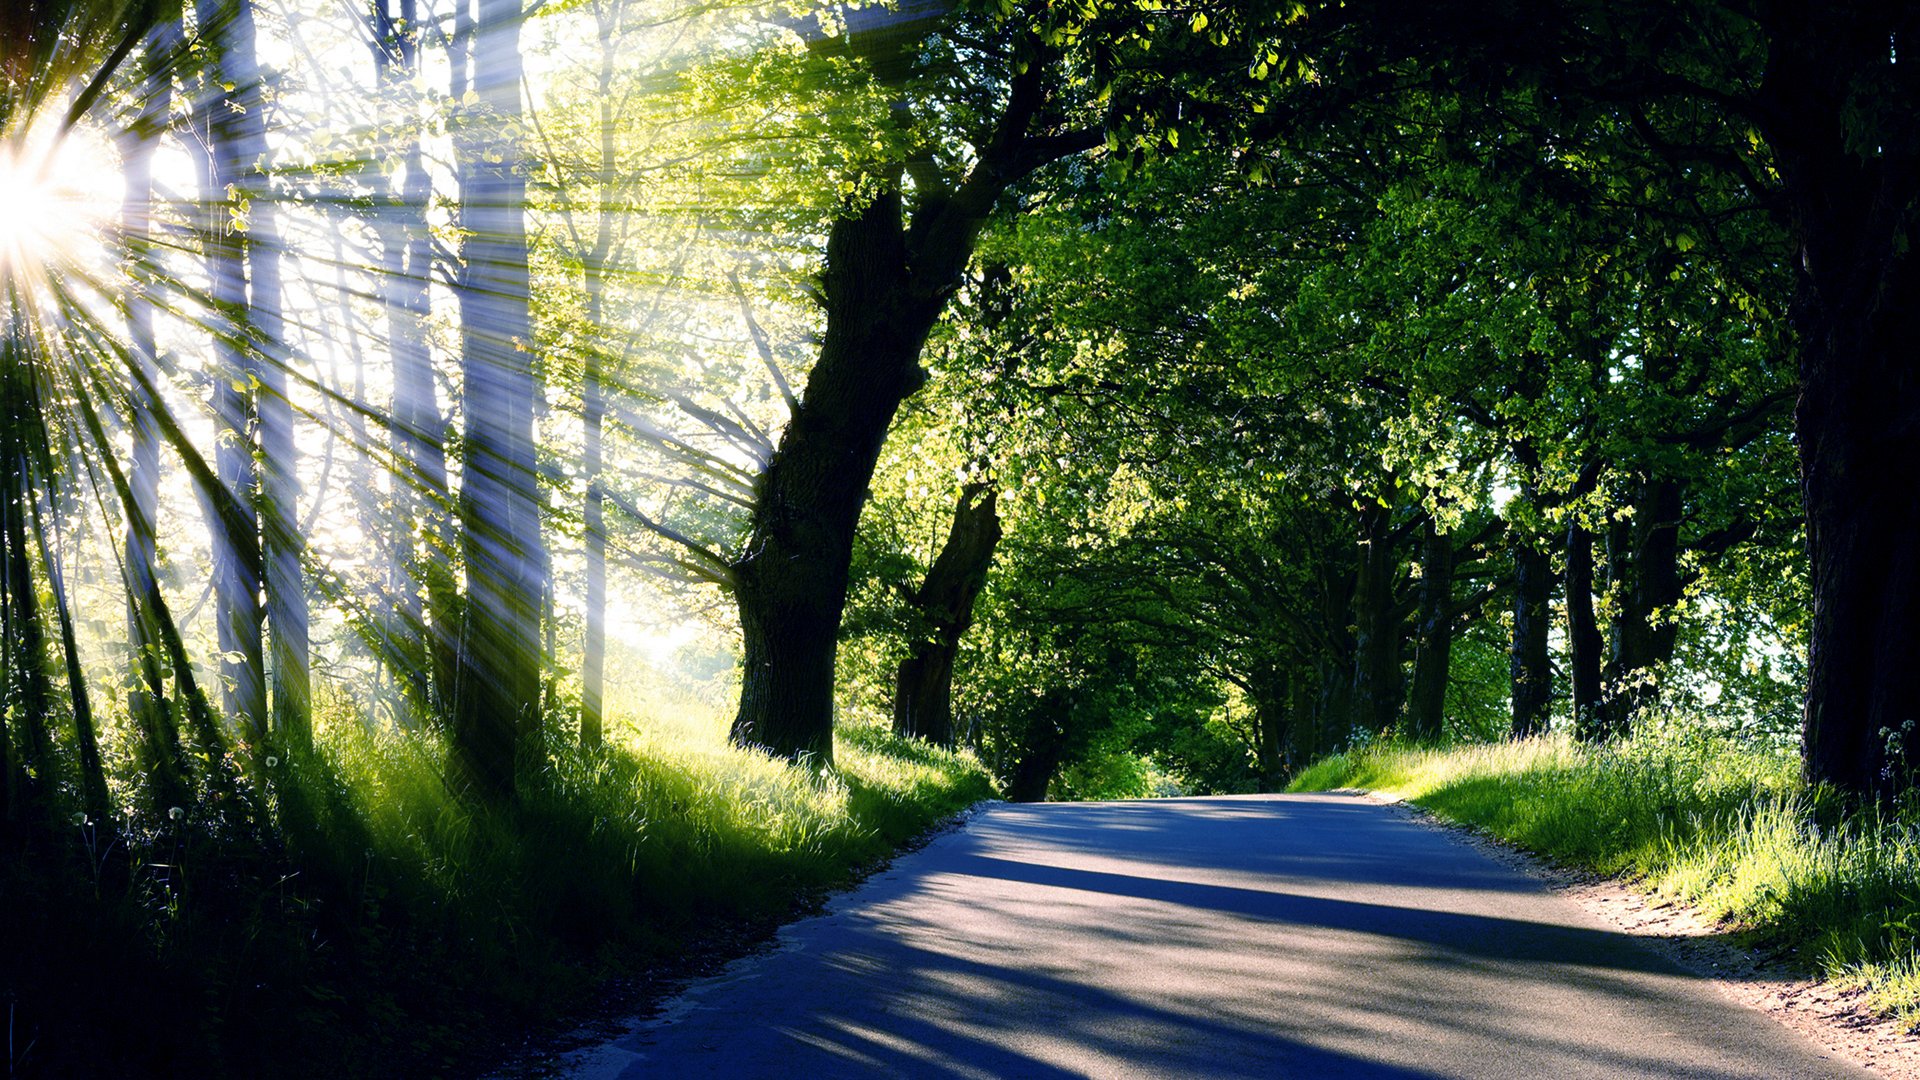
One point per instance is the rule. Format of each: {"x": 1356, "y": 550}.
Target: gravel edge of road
{"x": 1830, "y": 1017}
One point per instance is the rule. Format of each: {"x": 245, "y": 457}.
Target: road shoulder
{"x": 1830, "y": 1017}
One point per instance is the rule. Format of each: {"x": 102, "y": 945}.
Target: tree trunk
{"x": 791, "y": 582}
{"x": 1850, "y": 180}
{"x": 1377, "y": 630}
{"x": 1304, "y": 746}
{"x": 593, "y": 402}
{"x": 497, "y": 697}
{"x": 1044, "y": 748}
{"x": 1271, "y": 700}
{"x": 158, "y": 738}
{"x": 1645, "y": 630}
{"x": 1584, "y": 644}
{"x": 238, "y": 573}
{"x": 27, "y": 695}
{"x": 1532, "y": 677}
{"x": 1433, "y": 655}
{"x": 923, "y": 685}
{"x": 425, "y": 596}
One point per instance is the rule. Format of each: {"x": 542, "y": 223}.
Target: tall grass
{"x": 1727, "y": 828}
{"x": 381, "y": 927}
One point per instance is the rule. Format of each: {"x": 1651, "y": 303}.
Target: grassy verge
{"x": 377, "y": 927}
{"x": 1728, "y": 829}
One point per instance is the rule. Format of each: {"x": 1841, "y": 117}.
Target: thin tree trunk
{"x": 1303, "y": 723}
{"x": 1045, "y": 748}
{"x": 1531, "y": 675}
{"x": 423, "y": 511}
{"x": 1271, "y": 699}
{"x": 147, "y": 706}
{"x": 27, "y": 694}
{"x": 1433, "y": 655}
{"x": 238, "y": 576}
{"x": 497, "y": 702}
{"x": 1378, "y": 633}
{"x": 239, "y": 148}
{"x": 923, "y": 685}
{"x": 593, "y": 402}
{"x": 1584, "y": 644}
{"x": 1645, "y": 631}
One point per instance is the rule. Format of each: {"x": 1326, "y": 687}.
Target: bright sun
{"x": 58, "y": 192}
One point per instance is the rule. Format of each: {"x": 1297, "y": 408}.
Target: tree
{"x": 943, "y": 605}
{"x": 496, "y": 717}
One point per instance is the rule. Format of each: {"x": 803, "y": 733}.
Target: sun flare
{"x": 58, "y": 192}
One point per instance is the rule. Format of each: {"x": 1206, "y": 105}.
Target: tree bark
{"x": 238, "y": 571}
{"x": 1044, "y": 748}
{"x": 158, "y": 738}
{"x": 25, "y": 694}
{"x": 1645, "y": 630}
{"x": 424, "y": 593}
{"x": 1584, "y": 644}
{"x": 791, "y": 581}
{"x": 1532, "y": 676}
{"x": 496, "y": 717}
{"x": 1377, "y": 630}
{"x": 923, "y": 685}
{"x": 1850, "y": 187}
{"x": 1433, "y": 655}
{"x": 593, "y": 402}
{"x": 884, "y": 284}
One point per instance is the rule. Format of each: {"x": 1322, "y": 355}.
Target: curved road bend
{"x": 1288, "y": 936}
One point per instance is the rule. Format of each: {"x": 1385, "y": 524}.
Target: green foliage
{"x": 1720, "y": 823}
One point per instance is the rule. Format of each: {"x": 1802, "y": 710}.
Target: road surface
{"x": 1300, "y": 936}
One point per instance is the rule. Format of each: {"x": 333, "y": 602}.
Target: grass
{"x": 1729, "y": 829}
{"x": 398, "y": 931}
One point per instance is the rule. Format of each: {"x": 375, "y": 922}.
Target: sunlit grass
{"x": 408, "y": 931}
{"x": 1729, "y": 829}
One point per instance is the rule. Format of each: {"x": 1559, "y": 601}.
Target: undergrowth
{"x": 370, "y": 925}
{"x": 1728, "y": 828}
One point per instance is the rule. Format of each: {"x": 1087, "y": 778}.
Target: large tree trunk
{"x": 791, "y": 582}
{"x": 1584, "y": 643}
{"x": 923, "y": 685}
{"x": 1850, "y": 188}
{"x": 883, "y": 286}
{"x": 1433, "y": 655}
{"x": 1528, "y": 662}
{"x": 496, "y": 717}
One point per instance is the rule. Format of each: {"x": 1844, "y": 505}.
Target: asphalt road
{"x": 1270, "y": 936}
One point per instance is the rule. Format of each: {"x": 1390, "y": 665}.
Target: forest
{"x": 498, "y": 496}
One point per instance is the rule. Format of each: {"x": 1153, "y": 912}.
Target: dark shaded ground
{"x": 1271, "y": 936}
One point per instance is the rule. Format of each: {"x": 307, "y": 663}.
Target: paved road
{"x": 1274, "y": 936}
